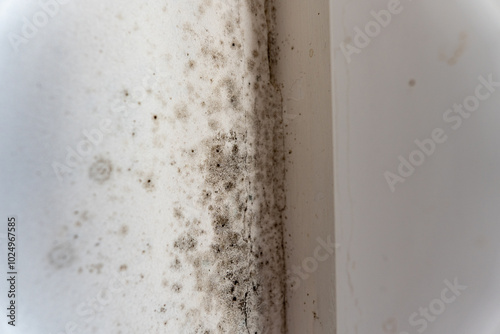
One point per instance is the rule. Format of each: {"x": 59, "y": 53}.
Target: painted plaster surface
{"x": 144, "y": 161}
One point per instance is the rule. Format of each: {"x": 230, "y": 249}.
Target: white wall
{"x": 441, "y": 223}
{"x": 303, "y": 70}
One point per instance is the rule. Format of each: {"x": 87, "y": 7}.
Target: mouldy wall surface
{"x": 300, "y": 46}
{"x": 151, "y": 165}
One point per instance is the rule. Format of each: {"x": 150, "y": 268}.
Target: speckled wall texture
{"x": 158, "y": 150}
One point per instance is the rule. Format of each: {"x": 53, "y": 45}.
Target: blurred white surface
{"x": 440, "y": 221}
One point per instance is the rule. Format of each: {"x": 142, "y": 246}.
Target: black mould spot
{"x": 148, "y": 184}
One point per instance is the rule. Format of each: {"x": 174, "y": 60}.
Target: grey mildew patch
{"x": 214, "y": 56}
{"x": 97, "y": 267}
{"x": 178, "y": 213}
{"x": 176, "y": 287}
{"x": 124, "y": 230}
{"x": 100, "y": 170}
{"x": 62, "y": 255}
{"x": 185, "y": 243}
{"x": 182, "y": 113}
{"x": 176, "y": 264}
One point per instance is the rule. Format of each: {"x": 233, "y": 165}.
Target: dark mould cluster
{"x": 238, "y": 265}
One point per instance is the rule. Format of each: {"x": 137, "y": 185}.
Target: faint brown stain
{"x": 459, "y": 51}
{"x": 390, "y": 326}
